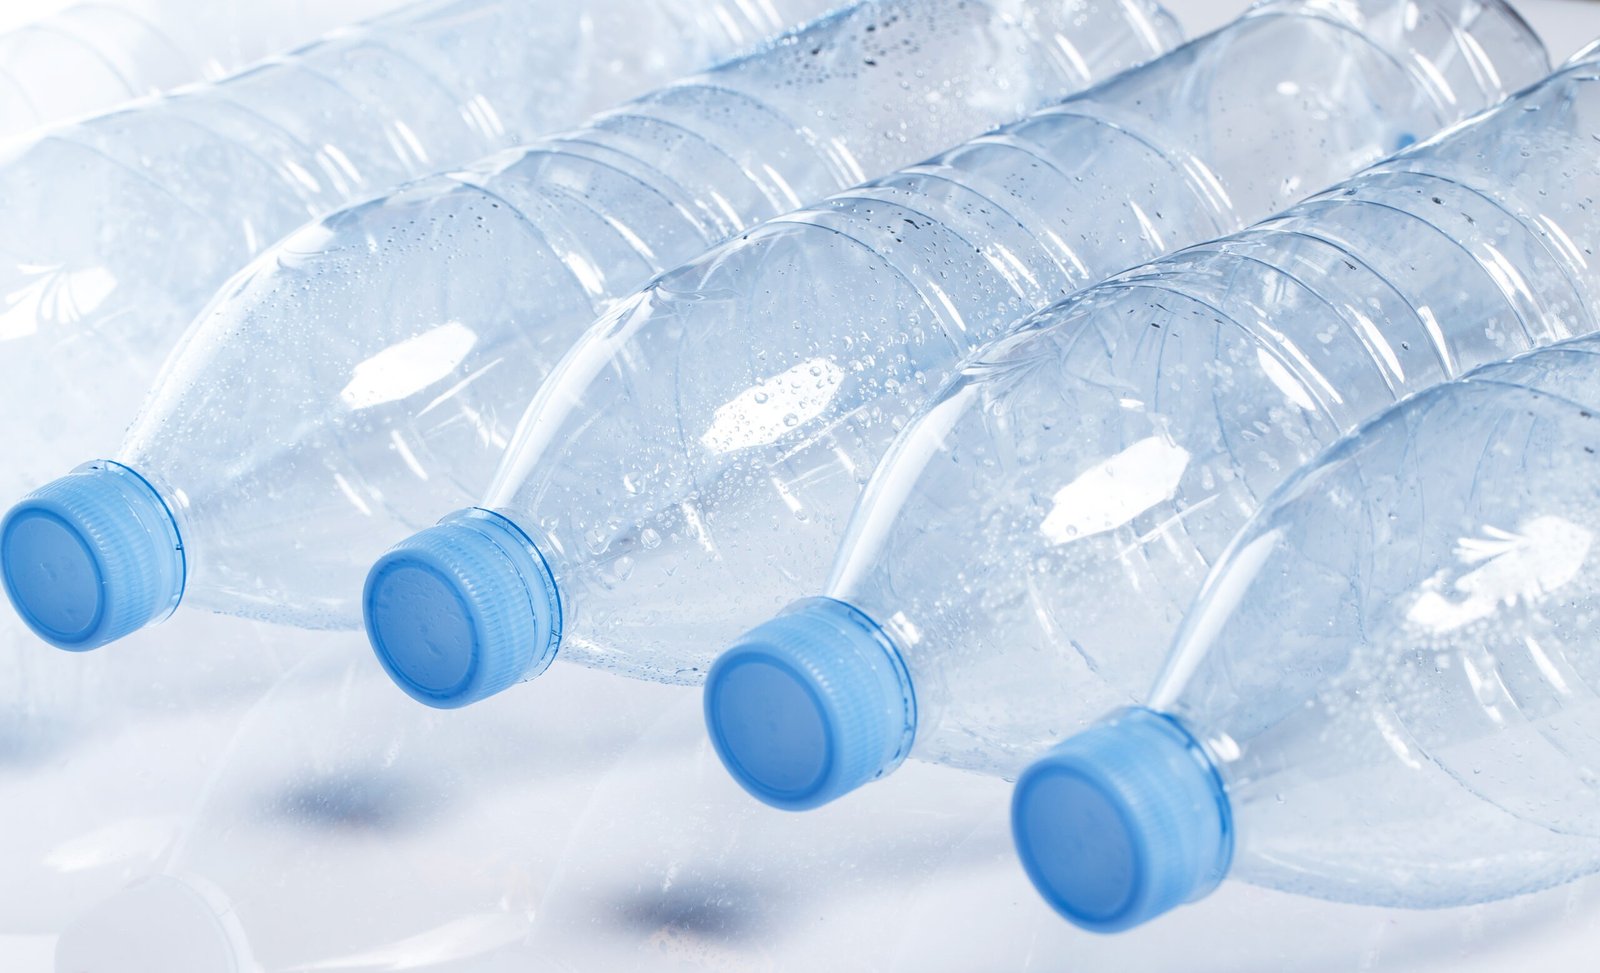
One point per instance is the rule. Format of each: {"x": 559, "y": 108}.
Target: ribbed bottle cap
{"x": 1123, "y": 822}
{"x": 810, "y": 705}
{"x": 461, "y": 611}
{"x": 92, "y": 557}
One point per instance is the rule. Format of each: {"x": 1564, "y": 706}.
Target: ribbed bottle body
{"x": 422, "y": 323}
{"x": 1390, "y": 666}
{"x": 1082, "y": 475}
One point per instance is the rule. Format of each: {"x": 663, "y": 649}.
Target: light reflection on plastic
{"x": 1540, "y": 556}
{"x": 763, "y": 413}
{"x": 1116, "y": 490}
{"x": 408, "y": 367}
{"x": 54, "y": 295}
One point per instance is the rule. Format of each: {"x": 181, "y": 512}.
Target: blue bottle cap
{"x": 1123, "y": 822}
{"x": 810, "y": 705}
{"x": 92, "y": 557}
{"x": 461, "y": 611}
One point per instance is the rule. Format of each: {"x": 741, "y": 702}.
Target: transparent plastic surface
{"x": 1035, "y": 536}
{"x": 119, "y": 227}
{"x": 403, "y": 337}
{"x": 93, "y": 56}
{"x": 691, "y": 465}
{"x": 350, "y": 850}
{"x": 101, "y": 217}
{"x": 1392, "y": 665}
{"x": 103, "y": 758}
{"x": 389, "y": 837}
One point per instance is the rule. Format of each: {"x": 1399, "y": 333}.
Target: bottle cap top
{"x": 1123, "y": 822}
{"x": 92, "y": 557}
{"x": 810, "y": 705}
{"x": 458, "y": 612}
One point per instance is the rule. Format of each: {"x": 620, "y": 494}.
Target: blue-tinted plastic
{"x": 811, "y": 705}
{"x": 460, "y": 611}
{"x": 92, "y": 556}
{"x": 93, "y": 55}
{"x": 1123, "y": 822}
{"x": 1392, "y": 664}
{"x": 1045, "y": 523}
{"x": 405, "y": 335}
{"x": 119, "y": 227}
{"x": 729, "y": 410}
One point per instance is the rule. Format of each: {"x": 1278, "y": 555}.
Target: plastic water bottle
{"x": 1386, "y": 690}
{"x": 691, "y": 464}
{"x": 118, "y": 228}
{"x": 123, "y": 223}
{"x": 403, "y": 337}
{"x": 79, "y": 58}
{"x": 99, "y": 215}
{"x": 1031, "y": 541}
{"x": 92, "y": 56}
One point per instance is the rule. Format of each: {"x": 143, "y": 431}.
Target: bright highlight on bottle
{"x": 1379, "y": 696}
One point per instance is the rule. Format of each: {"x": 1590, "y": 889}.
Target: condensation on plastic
{"x": 1046, "y": 522}
{"x": 116, "y": 230}
{"x": 690, "y": 467}
{"x": 1391, "y": 665}
{"x": 405, "y": 336}
{"x": 119, "y": 227}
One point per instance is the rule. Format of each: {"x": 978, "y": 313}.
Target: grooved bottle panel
{"x": 423, "y": 322}
{"x": 92, "y": 56}
{"x": 120, "y": 226}
{"x": 1390, "y": 666}
{"x": 83, "y": 58}
{"x": 830, "y": 325}
{"x": 1083, "y": 474}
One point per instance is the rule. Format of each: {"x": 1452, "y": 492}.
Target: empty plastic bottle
{"x": 93, "y": 56}
{"x": 123, "y": 224}
{"x": 1386, "y": 691}
{"x": 691, "y": 464}
{"x": 1032, "y": 539}
{"x": 100, "y": 216}
{"x": 367, "y": 372}
{"x": 118, "y": 228}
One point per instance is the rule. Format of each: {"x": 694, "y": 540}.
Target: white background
{"x": 970, "y": 908}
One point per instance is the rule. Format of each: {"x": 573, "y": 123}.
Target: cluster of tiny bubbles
{"x": 1402, "y": 667}
{"x": 816, "y": 63}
